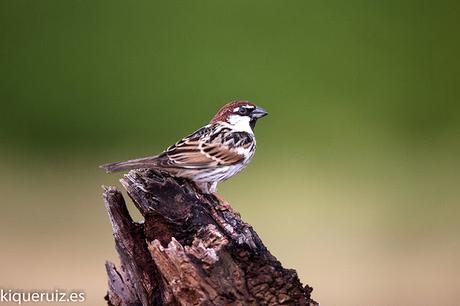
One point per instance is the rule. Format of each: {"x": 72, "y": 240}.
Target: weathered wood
{"x": 190, "y": 250}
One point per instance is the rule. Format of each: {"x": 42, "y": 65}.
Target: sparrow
{"x": 213, "y": 153}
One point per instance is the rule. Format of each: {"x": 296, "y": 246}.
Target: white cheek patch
{"x": 240, "y": 123}
{"x": 237, "y": 119}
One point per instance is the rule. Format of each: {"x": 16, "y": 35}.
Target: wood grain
{"x": 190, "y": 250}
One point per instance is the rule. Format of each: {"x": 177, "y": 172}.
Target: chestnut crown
{"x": 238, "y": 111}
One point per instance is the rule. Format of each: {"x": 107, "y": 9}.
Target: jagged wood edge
{"x": 170, "y": 225}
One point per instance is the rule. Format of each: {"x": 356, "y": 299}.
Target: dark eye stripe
{"x": 243, "y": 111}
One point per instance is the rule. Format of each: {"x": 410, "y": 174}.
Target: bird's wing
{"x": 211, "y": 146}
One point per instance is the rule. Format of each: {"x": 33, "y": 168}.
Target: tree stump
{"x": 190, "y": 250}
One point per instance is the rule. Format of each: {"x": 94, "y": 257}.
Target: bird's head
{"x": 242, "y": 115}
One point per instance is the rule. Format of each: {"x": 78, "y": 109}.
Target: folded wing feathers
{"x": 209, "y": 147}
{"x": 211, "y": 150}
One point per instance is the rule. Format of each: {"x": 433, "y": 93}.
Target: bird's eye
{"x": 243, "y": 111}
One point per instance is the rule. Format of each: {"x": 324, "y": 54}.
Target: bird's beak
{"x": 259, "y": 112}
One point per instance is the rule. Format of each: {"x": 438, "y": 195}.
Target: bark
{"x": 190, "y": 250}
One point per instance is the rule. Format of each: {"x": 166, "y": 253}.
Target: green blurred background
{"x": 356, "y": 180}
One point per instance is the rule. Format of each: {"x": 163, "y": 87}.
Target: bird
{"x": 211, "y": 154}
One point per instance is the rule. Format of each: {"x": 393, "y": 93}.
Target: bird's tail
{"x": 145, "y": 162}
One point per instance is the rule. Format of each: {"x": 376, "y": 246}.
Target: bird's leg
{"x": 213, "y": 191}
{"x": 204, "y": 187}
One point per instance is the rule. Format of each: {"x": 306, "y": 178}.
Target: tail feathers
{"x": 146, "y": 162}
